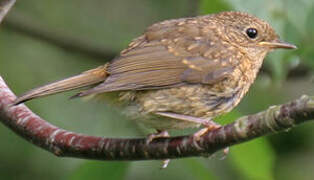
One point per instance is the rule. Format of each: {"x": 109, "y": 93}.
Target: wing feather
{"x": 156, "y": 61}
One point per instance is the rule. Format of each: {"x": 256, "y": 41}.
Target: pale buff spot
{"x": 192, "y": 46}
{"x": 209, "y": 114}
{"x": 193, "y": 21}
{"x": 197, "y": 38}
{"x": 181, "y": 23}
{"x": 170, "y": 49}
{"x": 224, "y": 63}
{"x": 194, "y": 67}
{"x": 148, "y": 103}
{"x": 193, "y": 98}
{"x": 176, "y": 40}
{"x": 184, "y": 61}
{"x": 208, "y": 53}
{"x": 206, "y": 30}
{"x": 124, "y": 51}
{"x": 131, "y": 44}
{"x": 159, "y": 98}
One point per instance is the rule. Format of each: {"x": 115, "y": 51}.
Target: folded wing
{"x": 154, "y": 66}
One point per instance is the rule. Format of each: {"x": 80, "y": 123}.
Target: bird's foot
{"x": 209, "y": 126}
{"x": 159, "y": 134}
{"x": 165, "y": 163}
{"x": 225, "y": 153}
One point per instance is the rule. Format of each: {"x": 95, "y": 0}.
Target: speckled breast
{"x": 192, "y": 100}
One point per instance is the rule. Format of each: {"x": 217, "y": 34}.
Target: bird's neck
{"x": 244, "y": 76}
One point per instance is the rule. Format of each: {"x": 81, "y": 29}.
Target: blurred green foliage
{"x": 27, "y": 62}
{"x": 99, "y": 170}
{"x": 254, "y": 160}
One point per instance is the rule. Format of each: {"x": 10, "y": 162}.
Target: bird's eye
{"x": 251, "y": 32}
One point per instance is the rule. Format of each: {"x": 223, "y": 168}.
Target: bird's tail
{"x": 84, "y": 79}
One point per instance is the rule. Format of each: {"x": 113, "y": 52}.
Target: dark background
{"x": 44, "y": 41}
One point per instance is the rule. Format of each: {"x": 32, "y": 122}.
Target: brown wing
{"x": 166, "y": 57}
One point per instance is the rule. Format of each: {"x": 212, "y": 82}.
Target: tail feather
{"x": 84, "y": 79}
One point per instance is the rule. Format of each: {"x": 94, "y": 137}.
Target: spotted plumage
{"x": 181, "y": 72}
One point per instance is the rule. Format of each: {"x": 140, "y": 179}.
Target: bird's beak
{"x": 277, "y": 44}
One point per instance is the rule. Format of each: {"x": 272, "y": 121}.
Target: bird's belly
{"x": 165, "y": 123}
{"x": 193, "y": 100}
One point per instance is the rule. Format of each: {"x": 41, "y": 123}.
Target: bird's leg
{"x": 208, "y": 123}
{"x": 159, "y": 134}
{"x": 185, "y": 118}
{"x": 209, "y": 126}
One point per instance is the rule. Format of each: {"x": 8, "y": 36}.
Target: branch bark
{"x": 64, "y": 143}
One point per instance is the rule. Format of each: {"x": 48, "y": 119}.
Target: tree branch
{"x": 65, "y": 143}
{"x": 69, "y": 144}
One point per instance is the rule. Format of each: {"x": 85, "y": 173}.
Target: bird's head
{"x": 249, "y": 33}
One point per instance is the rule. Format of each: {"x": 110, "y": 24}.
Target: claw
{"x": 209, "y": 126}
{"x": 159, "y": 134}
{"x": 165, "y": 163}
{"x": 225, "y": 153}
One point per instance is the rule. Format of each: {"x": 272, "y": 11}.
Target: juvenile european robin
{"x": 180, "y": 73}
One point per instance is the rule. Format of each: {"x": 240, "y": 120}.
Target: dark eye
{"x": 251, "y": 32}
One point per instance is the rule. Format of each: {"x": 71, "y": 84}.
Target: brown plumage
{"x": 181, "y": 73}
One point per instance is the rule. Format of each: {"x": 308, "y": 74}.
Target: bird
{"x": 180, "y": 73}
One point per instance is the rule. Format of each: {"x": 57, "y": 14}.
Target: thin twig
{"x": 21, "y": 23}
{"x": 5, "y": 6}
{"x": 69, "y": 144}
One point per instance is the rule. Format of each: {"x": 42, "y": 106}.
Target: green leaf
{"x": 213, "y": 6}
{"x": 100, "y": 170}
{"x": 254, "y": 159}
